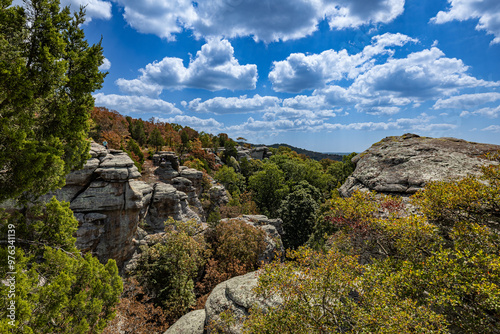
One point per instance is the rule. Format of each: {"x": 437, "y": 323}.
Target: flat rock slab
{"x": 405, "y": 164}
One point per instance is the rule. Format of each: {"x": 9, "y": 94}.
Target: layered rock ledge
{"x": 109, "y": 202}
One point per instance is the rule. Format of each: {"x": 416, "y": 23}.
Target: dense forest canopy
{"x": 367, "y": 263}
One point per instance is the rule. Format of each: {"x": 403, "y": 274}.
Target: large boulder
{"x": 167, "y": 202}
{"x": 234, "y": 296}
{"x": 191, "y": 323}
{"x": 403, "y": 165}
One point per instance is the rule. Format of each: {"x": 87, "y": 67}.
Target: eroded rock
{"x": 403, "y": 165}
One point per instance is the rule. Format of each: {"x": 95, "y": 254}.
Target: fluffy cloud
{"x": 466, "y": 101}
{"x": 207, "y": 125}
{"x": 301, "y": 72}
{"x": 301, "y": 106}
{"x": 234, "y": 105}
{"x": 163, "y": 18}
{"x": 295, "y": 114}
{"x": 488, "y": 112}
{"x": 354, "y": 13}
{"x": 487, "y": 11}
{"x": 94, "y": 8}
{"x": 422, "y": 75}
{"x": 106, "y": 65}
{"x": 376, "y": 86}
{"x": 126, "y": 104}
{"x": 139, "y": 87}
{"x": 263, "y": 20}
{"x": 213, "y": 68}
{"x": 314, "y": 102}
{"x": 422, "y": 123}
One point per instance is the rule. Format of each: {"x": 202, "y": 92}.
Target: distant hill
{"x": 311, "y": 154}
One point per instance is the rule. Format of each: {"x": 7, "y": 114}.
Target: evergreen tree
{"x": 298, "y": 212}
{"x": 156, "y": 139}
{"x": 48, "y": 72}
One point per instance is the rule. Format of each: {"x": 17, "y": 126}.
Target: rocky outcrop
{"x": 235, "y": 296}
{"x": 190, "y": 182}
{"x": 109, "y": 201}
{"x": 259, "y": 153}
{"x": 191, "y": 323}
{"x": 403, "y": 165}
{"x": 168, "y": 202}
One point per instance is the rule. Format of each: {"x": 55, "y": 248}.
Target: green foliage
{"x": 156, "y": 139}
{"x": 137, "y": 132}
{"x": 385, "y": 270}
{"x": 326, "y": 293}
{"x": 269, "y": 189}
{"x": 57, "y": 289}
{"x": 229, "y": 151}
{"x": 232, "y": 181}
{"x": 48, "y": 72}
{"x": 51, "y": 225}
{"x": 298, "y": 212}
{"x": 197, "y": 164}
{"x": 166, "y": 270}
{"x": 341, "y": 170}
{"x": 214, "y": 218}
{"x": 134, "y": 148}
{"x": 250, "y": 167}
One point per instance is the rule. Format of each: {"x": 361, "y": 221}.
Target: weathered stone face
{"x": 403, "y": 165}
{"x": 109, "y": 202}
{"x": 235, "y": 295}
{"x": 168, "y": 202}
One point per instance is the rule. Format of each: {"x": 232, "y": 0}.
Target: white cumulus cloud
{"x": 263, "y": 20}
{"x": 106, "y": 65}
{"x": 493, "y": 128}
{"x": 234, "y": 105}
{"x": 126, "y": 104}
{"x": 213, "y": 68}
{"x": 300, "y": 72}
{"x": 466, "y": 101}
{"x": 199, "y": 124}
{"x": 487, "y": 12}
{"x": 420, "y": 76}
{"x": 421, "y": 123}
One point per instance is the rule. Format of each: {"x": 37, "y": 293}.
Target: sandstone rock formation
{"x": 234, "y": 295}
{"x": 260, "y": 153}
{"x": 403, "y": 165}
{"x": 109, "y": 201}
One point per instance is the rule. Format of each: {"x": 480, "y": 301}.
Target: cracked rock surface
{"x": 404, "y": 164}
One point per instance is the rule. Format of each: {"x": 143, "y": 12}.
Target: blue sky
{"x": 325, "y": 75}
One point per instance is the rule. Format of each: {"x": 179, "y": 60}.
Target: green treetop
{"x": 48, "y": 72}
